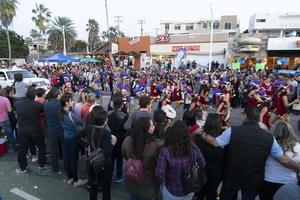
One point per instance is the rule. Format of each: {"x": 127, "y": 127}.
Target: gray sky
{"x": 151, "y": 10}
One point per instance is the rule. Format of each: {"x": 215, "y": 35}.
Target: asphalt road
{"x": 45, "y": 185}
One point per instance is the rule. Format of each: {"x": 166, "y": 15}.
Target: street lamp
{"x": 62, "y": 30}
{"x": 211, "y": 36}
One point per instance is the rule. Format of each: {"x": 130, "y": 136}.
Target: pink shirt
{"x": 4, "y": 106}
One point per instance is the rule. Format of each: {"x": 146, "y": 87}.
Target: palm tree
{"x": 56, "y": 36}
{"x": 7, "y": 14}
{"x": 112, "y": 34}
{"x": 41, "y": 18}
{"x": 93, "y": 28}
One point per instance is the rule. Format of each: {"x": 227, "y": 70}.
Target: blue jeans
{"x": 168, "y": 196}
{"x": 10, "y": 134}
{"x": 133, "y": 197}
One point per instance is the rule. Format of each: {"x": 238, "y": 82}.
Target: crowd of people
{"x": 159, "y": 143}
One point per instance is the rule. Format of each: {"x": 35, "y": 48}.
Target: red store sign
{"x": 187, "y": 48}
{"x": 163, "y": 38}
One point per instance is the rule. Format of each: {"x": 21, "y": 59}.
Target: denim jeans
{"x": 10, "y": 134}
{"x": 168, "y": 196}
{"x": 70, "y": 154}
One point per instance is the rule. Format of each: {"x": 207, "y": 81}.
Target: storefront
{"x": 135, "y": 49}
{"x": 284, "y": 53}
{"x": 197, "y": 47}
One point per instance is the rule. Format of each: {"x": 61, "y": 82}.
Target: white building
{"x": 197, "y": 46}
{"x": 276, "y": 24}
{"x": 228, "y": 23}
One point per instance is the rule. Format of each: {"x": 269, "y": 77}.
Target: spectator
{"x": 214, "y": 158}
{"x": 143, "y": 145}
{"x": 101, "y": 138}
{"x": 173, "y": 157}
{"x": 29, "y": 128}
{"x": 55, "y": 130}
{"x": 116, "y": 120}
{"x": 69, "y": 122}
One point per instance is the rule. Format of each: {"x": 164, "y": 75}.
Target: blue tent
{"x": 59, "y": 58}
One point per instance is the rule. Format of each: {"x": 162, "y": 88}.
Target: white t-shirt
{"x": 277, "y": 173}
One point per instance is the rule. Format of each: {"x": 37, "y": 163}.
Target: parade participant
{"x": 176, "y": 95}
{"x": 265, "y": 113}
{"x": 203, "y": 96}
{"x": 282, "y": 104}
{"x": 253, "y": 96}
{"x": 221, "y": 110}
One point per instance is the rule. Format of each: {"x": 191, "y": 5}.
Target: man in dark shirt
{"x": 116, "y": 120}
{"x": 29, "y": 128}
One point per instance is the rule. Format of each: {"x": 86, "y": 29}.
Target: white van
{"x": 7, "y": 78}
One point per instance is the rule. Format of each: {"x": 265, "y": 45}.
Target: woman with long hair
{"x": 214, "y": 158}
{"x": 70, "y": 123}
{"x": 142, "y": 145}
{"x": 177, "y": 153}
{"x": 277, "y": 175}
{"x": 99, "y": 137}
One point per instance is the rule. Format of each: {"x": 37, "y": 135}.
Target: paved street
{"x": 45, "y": 185}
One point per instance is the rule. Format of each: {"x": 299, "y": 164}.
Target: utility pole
{"x": 118, "y": 20}
{"x": 141, "y": 22}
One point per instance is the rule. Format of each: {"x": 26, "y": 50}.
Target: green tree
{"x": 112, "y": 34}
{"x": 28, "y": 41}
{"x": 19, "y": 48}
{"x": 80, "y": 46}
{"x": 34, "y": 34}
{"x": 7, "y": 14}
{"x": 93, "y": 29}
{"x": 41, "y": 18}
{"x": 56, "y": 36}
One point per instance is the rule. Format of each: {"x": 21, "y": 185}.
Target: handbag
{"x": 193, "y": 176}
{"x": 97, "y": 160}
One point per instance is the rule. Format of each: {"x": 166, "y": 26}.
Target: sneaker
{"x": 120, "y": 179}
{"x": 70, "y": 181}
{"x": 34, "y": 159}
{"x": 19, "y": 171}
{"x": 45, "y": 166}
{"x": 80, "y": 182}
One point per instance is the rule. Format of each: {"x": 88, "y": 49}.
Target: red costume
{"x": 280, "y": 108}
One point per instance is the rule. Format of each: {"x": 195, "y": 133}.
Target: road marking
{"x": 23, "y": 194}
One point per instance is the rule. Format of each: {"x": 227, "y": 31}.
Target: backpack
{"x": 134, "y": 170}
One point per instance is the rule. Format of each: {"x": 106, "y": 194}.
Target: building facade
{"x": 197, "y": 47}
{"x": 276, "y": 24}
{"x": 228, "y": 23}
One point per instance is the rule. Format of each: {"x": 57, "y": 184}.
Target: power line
{"x": 118, "y": 20}
{"x": 141, "y": 22}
